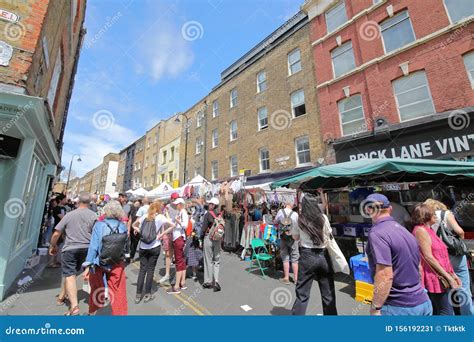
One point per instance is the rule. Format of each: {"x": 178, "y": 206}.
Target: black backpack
{"x": 148, "y": 231}
{"x": 113, "y": 246}
{"x": 455, "y": 244}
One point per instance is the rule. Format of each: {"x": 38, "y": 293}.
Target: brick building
{"x": 263, "y": 115}
{"x": 39, "y": 50}
{"x": 85, "y": 183}
{"x": 150, "y": 157}
{"x": 394, "y": 77}
{"x": 138, "y": 162}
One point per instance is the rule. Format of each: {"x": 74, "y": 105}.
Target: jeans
{"x": 462, "y": 298}
{"x": 441, "y": 304}
{"x": 134, "y": 239}
{"x": 425, "y": 309}
{"x": 314, "y": 265}
{"x": 148, "y": 260}
{"x": 211, "y": 256}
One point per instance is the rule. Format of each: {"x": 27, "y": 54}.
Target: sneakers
{"x": 138, "y": 299}
{"x": 207, "y": 285}
{"x": 285, "y": 281}
{"x": 165, "y": 279}
{"x": 148, "y": 297}
{"x": 173, "y": 290}
{"x": 217, "y": 287}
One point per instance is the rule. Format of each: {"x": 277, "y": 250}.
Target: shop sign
{"x": 437, "y": 141}
{"x": 6, "y": 53}
{"x": 8, "y": 16}
{"x": 282, "y": 160}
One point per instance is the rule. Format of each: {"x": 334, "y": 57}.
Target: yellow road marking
{"x": 189, "y": 302}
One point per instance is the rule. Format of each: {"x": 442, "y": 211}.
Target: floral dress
{"x": 193, "y": 252}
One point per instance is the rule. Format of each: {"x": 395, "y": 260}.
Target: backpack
{"x": 286, "y": 225}
{"x": 455, "y": 244}
{"x": 216, "y": 232}
{"x": 148, "y": 231}
{"x": 113, "y": 246}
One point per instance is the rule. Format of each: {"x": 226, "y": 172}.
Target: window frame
{"x": 215, "y": 138}
{"x": 261, "y": 160}
{"x": 199, "y": 119}
{"x": 293, "y": 107}
{"x": 260, "y": 82}
{"x": 298, "y": 164}
{"x": 232, "y": 98}
{"x": 449, "y": 14}
{"x": 199, "y": 145}
{"x": 469, "y": 75}
{"x": 392, "y": 25}
{"x": 215, "y": 108}
{"x": 290, "y": 73}
{"x": 231, "y": 158}
{"x": 260, "y": 127}
{"x": 340, "y": 114}
{"x": 427, "y": 85}
{"x": 349, "y": 42}
{"x": 334, "y": 9}
{"x": 231, "y": 131}
{"x": 214, "y": 173}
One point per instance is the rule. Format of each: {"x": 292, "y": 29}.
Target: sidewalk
{"x": 239, "y": 288}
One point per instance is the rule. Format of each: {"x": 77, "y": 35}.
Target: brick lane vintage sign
{"x": 8, "y": 16}
{"x": 426, "y": 142}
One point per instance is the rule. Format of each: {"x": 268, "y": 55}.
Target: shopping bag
{"x": 338, "y": 260}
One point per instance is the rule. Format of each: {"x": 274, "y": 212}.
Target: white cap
{"x": 179, "y": 201}
{"x": 214, "y": 201}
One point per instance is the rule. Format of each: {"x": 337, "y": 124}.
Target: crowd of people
{"x": 415, "y": 271}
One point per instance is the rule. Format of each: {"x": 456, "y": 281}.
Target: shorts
{"x": 289, "y": 251}
{"x": 72, "y": 260}
{"x": 167, "y": 242}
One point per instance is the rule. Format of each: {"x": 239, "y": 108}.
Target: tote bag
{"x": 338, "y": 260}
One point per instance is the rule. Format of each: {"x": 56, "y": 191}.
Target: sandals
{"x": 73, "y": 311}
{"x": 61, "y": 301}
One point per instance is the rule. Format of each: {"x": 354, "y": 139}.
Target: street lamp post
{"x": 186, "y": 127}
{"x": 70, "y": 167}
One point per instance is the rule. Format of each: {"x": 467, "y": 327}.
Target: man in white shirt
{"x": 288, "y": 246}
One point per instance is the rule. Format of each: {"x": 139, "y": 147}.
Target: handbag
{"x": 338, "y": 260}
{"x": 455, "y": 244}
{"x": 442, "y": 280}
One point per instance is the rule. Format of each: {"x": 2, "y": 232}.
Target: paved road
{"x": 264, "y": 296}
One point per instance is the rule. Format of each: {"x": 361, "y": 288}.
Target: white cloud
{"x": 166, "y": 53}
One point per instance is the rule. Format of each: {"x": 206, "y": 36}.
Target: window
{"x": 53, "y": 85}
{"x": 459, "y": 9}
{"x": 145, "y": 182}
{"x": 214, "y": 170}
{"x": 170, "y": 176}
{"x": 199, "y": 119}
{"x": 165, "y": 153}
{"x": 336, "y": 16}
{"x": 215, "y": 109}
{"x": 262, "y": 118}
{"x": 163, "y": 177}
{"x": 148, "y": 143}
{"x": 303, "y": 156}
{"x": 413, "y": 96}
{"x": 298, "y": 106}
{"x": 156, "y": 138}
{"x": 343, "y": 59}
{"x": 215, "y": 138}
{"x": 199, "y": 145}
{"x": 469, "y": 63}
{"x": 234, "y": 169}
{"x": 377, "y": 1}
{"x": 172, "y": 153}
{"x": 146, "y": 162}
{"x": 264, "y": 160}
{"x": 233, "y": 130}
{"x": 294, "y": 62}
{"x": 233, "y": 98}
{"x": 351, "y": 113}
{"x": 397, "y": 31}
{"x": 261, "y": 81}
{"x": 154, "y": 159}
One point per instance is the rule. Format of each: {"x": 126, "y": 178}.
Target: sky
{"x": 144, "y": 60}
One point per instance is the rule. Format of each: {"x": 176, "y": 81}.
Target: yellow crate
{"x": 364, "y": 292}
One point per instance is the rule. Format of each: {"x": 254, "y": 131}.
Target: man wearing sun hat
{"x": 211, "y": 248}
{"x": 394, "y": 259}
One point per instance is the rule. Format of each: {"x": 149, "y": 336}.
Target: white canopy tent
{"x": 160, "y": 190}
{"x": 198, "y": 180}
{"x": 140, "y": 192}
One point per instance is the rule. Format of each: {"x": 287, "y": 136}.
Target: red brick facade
{"x": 441, "y": 57}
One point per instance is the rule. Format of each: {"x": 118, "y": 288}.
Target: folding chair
{"x": 259, "y": 256}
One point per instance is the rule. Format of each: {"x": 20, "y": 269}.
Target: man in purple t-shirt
{"x": 394, "y": 259}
